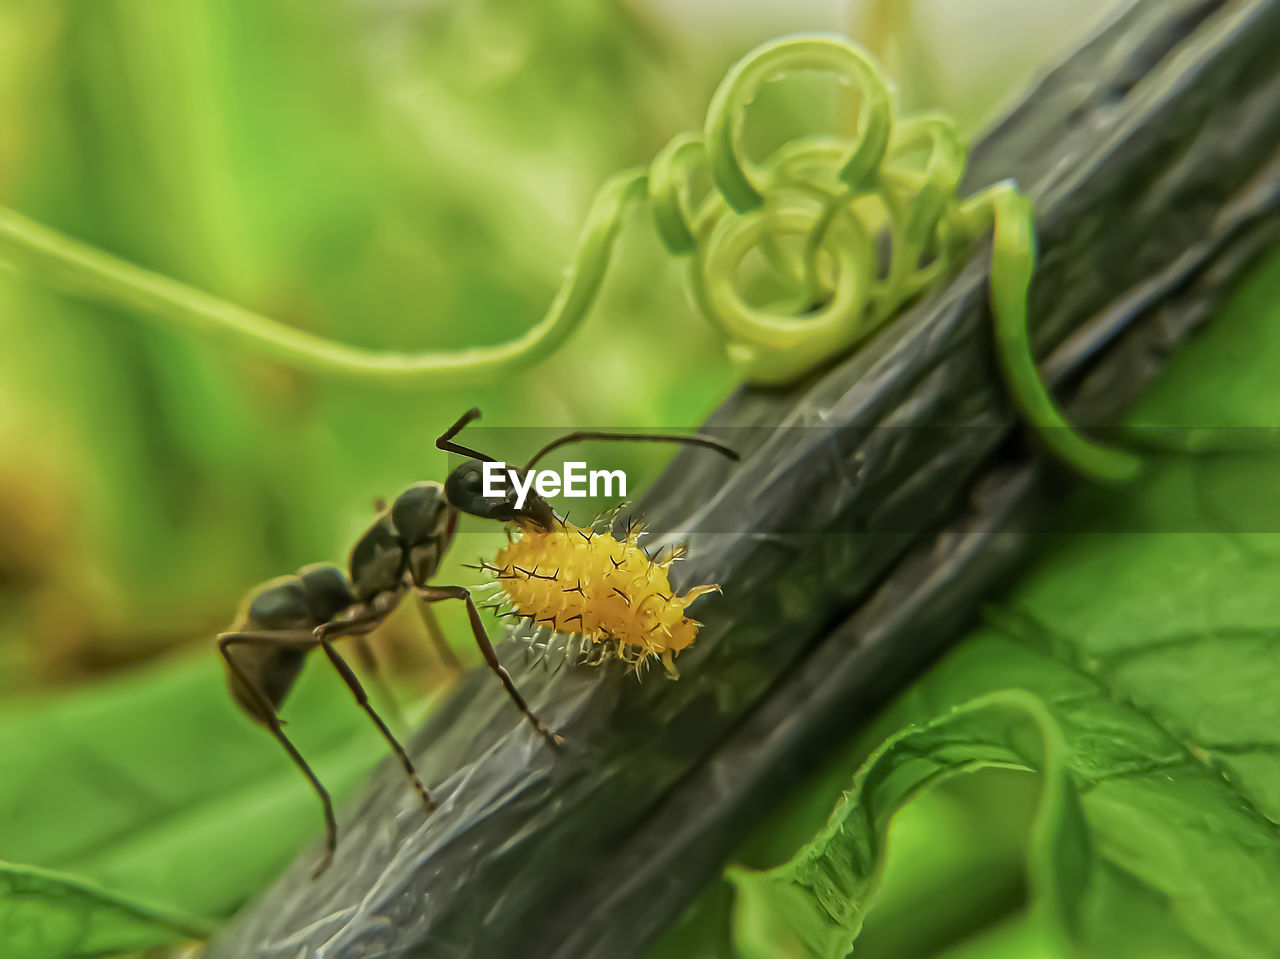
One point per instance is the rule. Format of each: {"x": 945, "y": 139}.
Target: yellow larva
{"x": 607, "y": 590}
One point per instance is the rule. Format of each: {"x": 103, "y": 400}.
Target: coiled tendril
{"x": 835, "y": 196}
{"x": 830, "y": 196}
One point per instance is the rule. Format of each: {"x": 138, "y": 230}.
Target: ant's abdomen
{"x": 275, "y": 668}
{"x": 289, "y": 608}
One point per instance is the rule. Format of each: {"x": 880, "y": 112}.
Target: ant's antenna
{"x": 705, "y": 442}
{"x": 445, "y": 441}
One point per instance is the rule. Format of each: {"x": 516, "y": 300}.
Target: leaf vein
{"x": 1020, "y": 625}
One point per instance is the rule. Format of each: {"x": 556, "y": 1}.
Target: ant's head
{"x": 465, "y": 491}
{"x": 465, "y": 487}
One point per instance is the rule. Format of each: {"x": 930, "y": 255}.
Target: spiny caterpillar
{"x": 607, "y": 592}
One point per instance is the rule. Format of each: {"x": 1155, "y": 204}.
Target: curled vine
{"x": 833, "y": 196}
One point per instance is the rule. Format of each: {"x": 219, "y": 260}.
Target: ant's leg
{"x": 267, "y": 713}
{"x": 357, "y": 628}
{"x": 354, "y": 627}
{"x": 444, "y": 652}
{"x": 369, "y": 665}
{"x": 445, "y": 440}
{"x": 435, "y": 594}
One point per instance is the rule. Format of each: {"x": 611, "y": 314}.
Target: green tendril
{"x": 669, "y": 199}
{"x": 813, "y": 210}
{"x": 84, "y": 271}
{"x": 832, "y": 196}
{"x": 1012, "y": 262}
{"x": 745, "y": 190}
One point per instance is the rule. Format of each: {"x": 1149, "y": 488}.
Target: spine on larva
{"x": 589, "y": 583}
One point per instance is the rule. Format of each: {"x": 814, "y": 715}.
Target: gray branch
{"x": 854, "y": 542}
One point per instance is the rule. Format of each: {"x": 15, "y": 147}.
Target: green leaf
{"x": 1143, "y": 650}
{"x": 47, "y": 915}
{"x": 814, "y": 905}
{"x": 152, "y": 788}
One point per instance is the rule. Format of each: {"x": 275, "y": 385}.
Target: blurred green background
{"x": 399, "y": 174}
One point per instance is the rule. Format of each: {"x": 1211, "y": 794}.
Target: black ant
{"x": 286, "y": 618}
